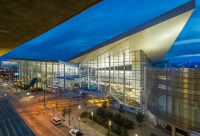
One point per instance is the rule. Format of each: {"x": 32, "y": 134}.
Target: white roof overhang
{"x": 154, "y": 37}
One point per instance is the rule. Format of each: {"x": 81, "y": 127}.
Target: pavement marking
{"x": 1, "y": 132}
{"x": 48, "y": 127}
{"x": 19, "y": 129}
{"x": 2, "y": 111}
{"x": 25, "y": 126}
{"x": 39, "y": 132}
{"x": 155, "y": 128}
{"x": 12, "y": 127}
{"x": 6, "y": 128}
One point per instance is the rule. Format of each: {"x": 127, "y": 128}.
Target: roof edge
{"x": 161, "y": 18}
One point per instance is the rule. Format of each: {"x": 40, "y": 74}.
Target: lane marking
{"x": 12, "y": 127}
{"x": 39, "y": 132}
{"x": 155, "y": 128}
{"x": 47, "y": 126}
{"x": 6, "y": 128}
{"x": 18, "y": 128}
{"x": 25, "y": 126}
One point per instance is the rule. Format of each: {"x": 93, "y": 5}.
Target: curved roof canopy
{"x": 154, "y": 37}
{"x": 23, "y": 20}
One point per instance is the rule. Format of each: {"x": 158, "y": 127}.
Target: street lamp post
{"x": 79, "y": 124}
{"x": 53, "y": 109}
{"x": 79, "y": 115}
{"x": 110, "y": 125}
{"x": 69, "y": 112}
{"x": 92, "y": 115}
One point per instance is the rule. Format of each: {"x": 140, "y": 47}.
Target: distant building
{"x": 9, "y": 69}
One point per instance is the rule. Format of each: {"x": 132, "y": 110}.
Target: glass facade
{"x": 174, "y": 95}
{"x": 120, "y": 74}
{"x": 45, "y": 72}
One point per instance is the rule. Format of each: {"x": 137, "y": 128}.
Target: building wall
{"x": 8, "y": 71}
{"x": 174, "y": 96}
{"x": 120, "y": 74}
{"x": 46, "y": 72}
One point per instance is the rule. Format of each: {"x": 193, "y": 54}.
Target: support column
{"x": 19, "y": 70}
{"x": 52, "y": 75}
{"x": 46, "y": 74}
{"x": 79, "y": 70}
{"x": 124, "y": 98}
{"x": 58, "y": 67}
{"x": 155, "y": 121}
{"x": 173, "y": 131}
{"x": 64, "y": 76}
{"x": 97, "y": 74}
{"x": 109, "y": 81}
{"x": 87, "y": 76}
{"x": 141, "y": 89}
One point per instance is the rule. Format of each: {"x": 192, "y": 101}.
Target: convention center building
{"x": 120, "y": 69}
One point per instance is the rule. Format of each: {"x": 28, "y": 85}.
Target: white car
{"x": 75, "y": 132}
{"x": 55, "y": 120}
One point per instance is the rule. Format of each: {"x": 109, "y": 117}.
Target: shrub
{"x": 123, "y": 131}
{"x": 104, "y": 105}
{"x": 84, "y": 114}
{"x": 100, "y": 111}
{"x": 121, "y": 110}
{"x": 64, "y": 112}
{"x": 108, "y": 133}
{"x": 109, "y": 114}
{"x": 139, "y": 117}
{"x": 152, "y": 134}
{"x": 117, "y": 118}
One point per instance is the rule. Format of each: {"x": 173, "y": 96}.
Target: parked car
{"x": 55, "y": 120}
{"x": 75, "y": 132}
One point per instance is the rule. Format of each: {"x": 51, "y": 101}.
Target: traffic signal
{"x": 34, "y": 95}
{"x": 14, "y": 93}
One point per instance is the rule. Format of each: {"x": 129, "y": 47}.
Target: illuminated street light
{"x": 79, "y": 115}
{"x": 110, "y": 125}
{"x": 92, "y": 115}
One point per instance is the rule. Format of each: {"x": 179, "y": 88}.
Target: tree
{"x": 108, "y": 133}
{"x": 121, "y": 110}
{"x": 64, "y": 113}
{"x": 123, "y": 131}
{"x": 152, "y": 134}
{"x": 84, "y": 114}
{"x": 139, "y": 117}
{"x": 104, "y": 105}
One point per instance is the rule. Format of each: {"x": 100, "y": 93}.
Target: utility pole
{"x": 44, "y": 97}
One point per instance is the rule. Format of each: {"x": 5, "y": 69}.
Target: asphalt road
{"x": 27, "y": 108}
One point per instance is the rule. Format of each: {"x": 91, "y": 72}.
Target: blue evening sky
{"x": 106, "y": 20}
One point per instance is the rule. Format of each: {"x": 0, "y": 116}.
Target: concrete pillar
{"x": 58, "y": 67}
{"x": 124, "y": 97}
{"x": 155, "y": 121}
{"x": 64, "y": 76}
{"x": 109, "y": 80}
{"x": 88, "y": 85}
{"x": 173, "y": 131}
{"x": 97, "y": 74}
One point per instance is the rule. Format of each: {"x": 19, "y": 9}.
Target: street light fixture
{"x": 79, "y": 107}
{"x": 110, "y": 125}
{"x": 92, "y": 115}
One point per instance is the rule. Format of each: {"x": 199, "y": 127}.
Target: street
{"x": 41, "y": 125}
